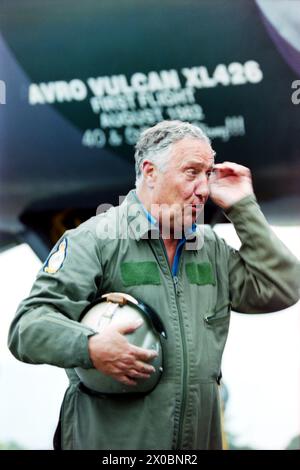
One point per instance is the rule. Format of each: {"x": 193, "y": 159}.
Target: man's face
{"x": 183, "y": 187}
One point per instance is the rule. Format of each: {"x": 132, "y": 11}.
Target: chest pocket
{"x": 216, "y": 326}
{"x": 219, "y": 315}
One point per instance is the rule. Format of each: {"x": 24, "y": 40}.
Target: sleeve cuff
{"x": 239, "y": 206}
{"x": 84, "y": 358}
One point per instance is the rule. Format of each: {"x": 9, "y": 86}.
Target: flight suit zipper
{"x": 184, "y": 380}
{"x": 175, "y": 282}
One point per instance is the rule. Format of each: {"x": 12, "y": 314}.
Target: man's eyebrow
{"x": 199, "y": 164}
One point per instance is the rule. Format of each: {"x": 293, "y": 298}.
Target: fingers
{"x": 134, "y": 374}
{"x": 128, "y": 376}
{"x": 144, "y": 354}
{"x": 131, "y": 376}
{"x": 128, "y": 326}
{"x": 231, "y": 167}
{"x": 144, "y": 368}
{"x": 134, "y": 367}
{"x": 115, "y": 356}
{"x": 126, "y": 380}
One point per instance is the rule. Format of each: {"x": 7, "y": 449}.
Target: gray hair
{"x": 154, "y": 143}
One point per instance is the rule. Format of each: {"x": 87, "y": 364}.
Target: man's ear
{"x": 149, "y": 171}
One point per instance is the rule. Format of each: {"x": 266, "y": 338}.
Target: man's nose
{"x": 202, "y": 187}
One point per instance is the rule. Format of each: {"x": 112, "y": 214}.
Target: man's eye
{"x": 209, "y": 173}
{"x": 191, "y": 171}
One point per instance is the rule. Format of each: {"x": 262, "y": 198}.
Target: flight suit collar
{"x": 144, "y": 227}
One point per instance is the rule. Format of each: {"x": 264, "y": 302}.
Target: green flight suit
{"x": 183, "y": 410}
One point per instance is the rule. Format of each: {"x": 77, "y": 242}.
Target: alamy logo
{"x": 2, "y": 92}
{"x": 296, "y": 94}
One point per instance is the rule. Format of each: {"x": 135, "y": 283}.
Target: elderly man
{"x": 191, "y": 279}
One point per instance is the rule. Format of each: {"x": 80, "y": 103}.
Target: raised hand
{"x": 228, "y": 183}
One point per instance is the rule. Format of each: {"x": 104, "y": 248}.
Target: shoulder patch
{"x": 56, "y": 259}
